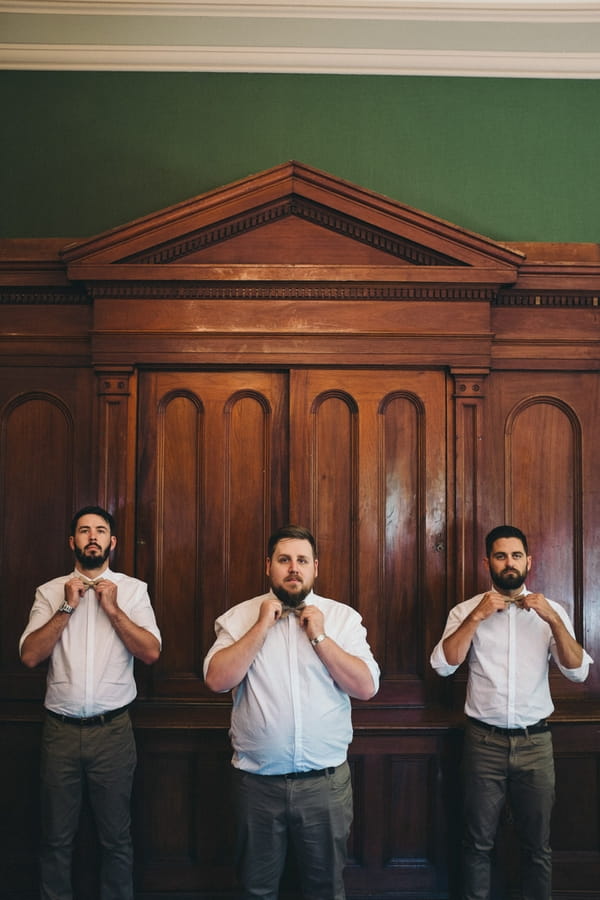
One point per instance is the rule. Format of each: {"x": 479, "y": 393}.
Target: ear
{"x": 71, "y": 542}
{"x": 113, "y": 541}
{"x": 268, "y": 566}
{"x": 316, "y": 567}
{"x": 486, "y": 563}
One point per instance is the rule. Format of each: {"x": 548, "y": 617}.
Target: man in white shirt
{"x": 90, "y": 624}
{"x": 508, "y": 635}
{"x": 293, "y": 659}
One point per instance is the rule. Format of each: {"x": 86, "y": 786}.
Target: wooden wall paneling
{"x": 116, "y": 442}
{"x": 367, "y": 474}
{"x": 212, "y": 485}
{"x": 576, "y": 816}
{"x": 45, "y": 473}
{"x": 19, "y": 810}
{"x": 183, "y": 812}
{"x": 542, "y": 438}
{"x": 469, "y": 480}
{"x": 401, "y": 837}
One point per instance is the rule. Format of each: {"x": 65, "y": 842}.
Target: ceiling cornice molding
{"x": 422, "y": 10}
{"x": 300, "y": 60}
{"x": 473, "y": 38}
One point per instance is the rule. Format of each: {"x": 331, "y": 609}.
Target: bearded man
{"x": 90, "y": 624}
{"x": 292, "y": 659}
{"x": 508, "y": 635}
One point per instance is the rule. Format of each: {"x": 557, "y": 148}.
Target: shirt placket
{"x": 91, "y": 610}
{"x": 512, "y": 665}
{"x": 292, "y": 625}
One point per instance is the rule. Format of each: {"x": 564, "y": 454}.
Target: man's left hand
{"x": 313, "y": 620}
{"x": 106, "y": 592}
{"x": 539, "y": 604}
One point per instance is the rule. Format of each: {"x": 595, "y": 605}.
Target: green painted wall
{"x": 513, "y": 159}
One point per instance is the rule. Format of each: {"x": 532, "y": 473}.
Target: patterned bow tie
{"x": 289, "y": 610}
{"x": 516, "y": 600}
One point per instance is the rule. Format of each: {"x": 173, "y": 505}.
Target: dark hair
{"x": 504, "y": 531}
{"x": 93, "y": 511}
{"x": 287, "y": 532}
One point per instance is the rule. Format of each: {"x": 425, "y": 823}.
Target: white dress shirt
{"x": 90, "y": 669}
{"x": 508, "y": 660}
{"x": 288, "y": 713}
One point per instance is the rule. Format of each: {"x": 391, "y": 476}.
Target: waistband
{"x": 536, "y": 728}
{"x": 83, "y": 721}
{"x": 290, "y": 776}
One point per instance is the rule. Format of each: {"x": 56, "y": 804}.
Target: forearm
{"x": 229, "y": 666}
{"x": 349, "y": 672}
{"x": 38, "y": 645}
{"x": 457, "y": 645}
{"x": 140, "y": 642}
{"x": 570, "y": 652}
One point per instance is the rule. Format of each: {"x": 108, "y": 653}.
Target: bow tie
{"x": 289, "y": 610}
{"x": 89, "y": 583}
{"x": 517, "y": 600}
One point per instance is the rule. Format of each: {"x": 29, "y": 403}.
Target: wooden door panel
{"x": 367, "y": 474}
{"x": 542, "y": 446}
{"x": 45, "y": 474}
{"x": 212, "y": 485}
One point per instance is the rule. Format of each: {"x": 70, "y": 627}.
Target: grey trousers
{"x": 497, "y": 767}
{"x": 314, "y": 813}
{"x": 104, "y": 757}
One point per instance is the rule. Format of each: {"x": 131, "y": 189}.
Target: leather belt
{"x": 536, "y": 728}
{"x": 312, "y": 773}
{"x": 84, "y": 721}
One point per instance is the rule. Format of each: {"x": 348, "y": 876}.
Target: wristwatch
{"x": 317, "y": 640}
{"x": 66, "y": 608}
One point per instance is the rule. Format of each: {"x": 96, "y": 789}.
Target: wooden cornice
{"x": 253, "y": 209}
{"x": 296, "y": 233}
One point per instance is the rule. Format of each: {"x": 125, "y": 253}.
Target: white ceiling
{"x": 522, "y": 38}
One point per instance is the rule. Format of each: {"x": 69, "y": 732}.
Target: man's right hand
{"x": 490, "y": 603}
{"x": 74, "y": 591}
{"x": 270, "y": 611}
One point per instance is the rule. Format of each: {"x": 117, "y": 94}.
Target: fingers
{"x": 270, "y": 610}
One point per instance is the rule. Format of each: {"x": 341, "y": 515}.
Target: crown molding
{"x": 300, "y": 60}
{"x": 487, "y": 38}
{"x": 445, "y": 10}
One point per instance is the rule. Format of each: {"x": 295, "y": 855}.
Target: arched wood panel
{"x": 212, "y": 485}
{"x": 45, "y": 473}
{"x": 543, "y": 480}
{"x": 368, "y": 475}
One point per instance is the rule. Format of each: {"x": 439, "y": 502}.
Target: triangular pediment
{"x": 296, "y": 223}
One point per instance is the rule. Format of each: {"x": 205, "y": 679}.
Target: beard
{"x": 509, "y": 581}
{"x": 90, "y": 561}
{"x": 292, "y": 600}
